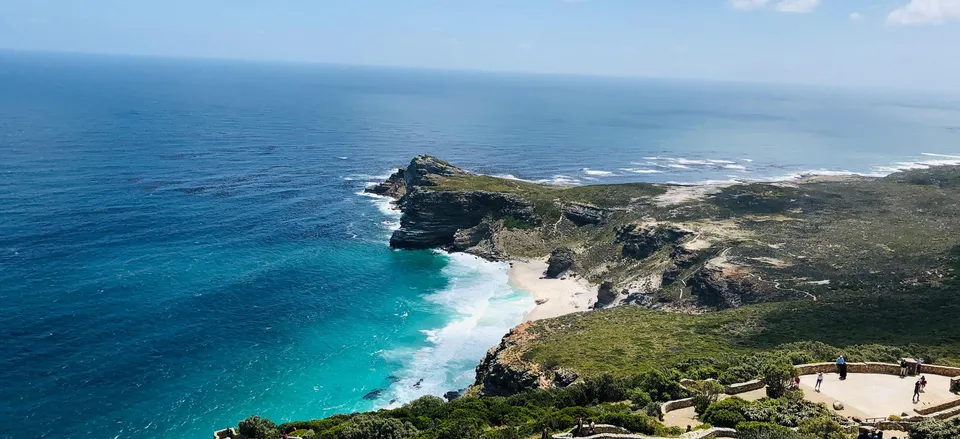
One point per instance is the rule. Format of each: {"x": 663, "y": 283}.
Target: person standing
{"x": 579, "y": 426}
{"x": 919, "y": 363}
{"x": 546, "y": 434}
{"x": 903, "y": 368}
{"x": 819, "y": 381}
{"x": 916, "y": 392}
{"x": 593, "y": 427}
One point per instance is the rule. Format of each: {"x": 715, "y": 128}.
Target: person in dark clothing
{"x": 579, "y": 426}
{"x": 916, "y": 392}
{"x": 546, "y": 434}
{"x": 903, "y": 368}
{"x": 863, "y": 435}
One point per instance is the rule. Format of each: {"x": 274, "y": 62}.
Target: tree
{"x": 763, "y": 430}
{"x": 777, "y": 377}
{"x": 935, "y": 429}
{"x": 256, "y": 427}
{"x": 375, "y": 427}
{"x": 705, "y": 393}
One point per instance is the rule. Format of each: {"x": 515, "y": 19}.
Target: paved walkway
{"x": 875, "y": 395}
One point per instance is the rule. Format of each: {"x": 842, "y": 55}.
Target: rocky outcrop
{"x": 642, "y": 240}
{"x": 723, "y": 287}
{"x": 394, "y": 186}
{"x": 432, "y": 218}
{"x": 680, "y": 259}
{"x": 584, "y": 214}
{"x": 500, "y": 373}
{"x": 561, "y": 260}
{"x": 423, "y": 167}
{"x": 605, "y": 295}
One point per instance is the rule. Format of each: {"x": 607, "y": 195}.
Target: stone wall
{"x": 676, "y": 404}
{"x": 883, "y": 368}
{"x": 698, "y": 434}
{"x": 934, "y": 408}
{"x": 734, "y": 389}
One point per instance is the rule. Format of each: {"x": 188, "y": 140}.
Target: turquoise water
{"x": 183, "y": 243}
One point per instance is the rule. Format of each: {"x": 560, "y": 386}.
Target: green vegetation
{"x": 256, "y": 427}
{"x": 777, "y": 376}
{"x": 934, "y": 429}
{"x": 599, "y": 399}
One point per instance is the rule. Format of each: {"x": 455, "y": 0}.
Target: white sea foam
{"x": 737, "y": 167}
{"x": 482, "y": 306}
{"x": 597, "y": 173}
{"x": 641, "y": 171}
{"x": 561, "y": 180}
{"x": 511, "y": 177}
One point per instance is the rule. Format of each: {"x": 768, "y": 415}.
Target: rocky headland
{"x": 684, "y": 249}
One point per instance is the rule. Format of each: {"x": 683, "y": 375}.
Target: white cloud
{"x": 797, "y": 6}
{"x": 856, "y": 16}
{"x": 748, "y": 4}
{"x": 788, "y": 6}
{"x": 925, "y": 12}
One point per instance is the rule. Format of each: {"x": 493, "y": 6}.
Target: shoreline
{"x": 560, "y": 296}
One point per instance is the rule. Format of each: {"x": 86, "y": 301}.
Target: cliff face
{"x": 433, "y": 218}
{"x": 659, "y": 247}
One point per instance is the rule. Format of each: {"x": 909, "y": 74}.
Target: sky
{"x": 895, "y": 43}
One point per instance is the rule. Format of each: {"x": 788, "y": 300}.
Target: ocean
{"x": 185, "y": 243}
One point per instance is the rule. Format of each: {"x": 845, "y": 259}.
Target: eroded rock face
{"x": 585, "y": 214}
{"x": 394, "y": 186}
{"x": 432, "y": 218}
{"x": 642, "y": 240}
{"x": 605, "y": 295}
{"x": 561, "y": 260}
{"x": 680, "y": 260}
{"x": 420, "y": 169}
{"x": 502, "y": 374}
{"x": 723, "y": 287}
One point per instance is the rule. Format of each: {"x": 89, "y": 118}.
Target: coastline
{"x": 561, "y": 296}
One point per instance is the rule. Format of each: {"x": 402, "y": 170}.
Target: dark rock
{"x": 642, "y": 240}
{"x": 564, "y": 378}
{"x": 681, "y": 259}
{"x": 723, "y": 288}
{"x": 394, "y": 186}
{"x": 393, "y": 378}
{"x": 432, "y": 219}
{"x": 464, "y": 239}
{"x": 561, "y": 260}
{"x": 585, "y": 214}
{"x": 605, "y": 295}
{"x": 373, "y": 394}
{"x": 453, "y": 394}
{"x": 418, "y": 383}
{"x": 422, "y": 167}
{"x": 501, "y": 374}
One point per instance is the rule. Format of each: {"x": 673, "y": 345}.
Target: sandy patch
{"x": 555, "y": 297}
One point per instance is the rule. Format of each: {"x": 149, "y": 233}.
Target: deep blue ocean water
{"x": 182, "y": 243}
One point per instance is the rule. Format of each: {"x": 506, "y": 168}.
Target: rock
{"x": 453, "y": 394}
{"x": 642, "y": 240}
{"x": 433, "y": 218}
{"x": 584, "y": 214}
{"x": 464, "y": 239}
{"x": 393, "y": 378}
{"x": 423, "y": 167}
{"x": 722, "y": 288}
{"x": 837, "y": 405}
{"x": 394, "y": 186}
{"x": 561, "y": 260}
{"x": 542, "y": 301}
{"x": 563, "y": 377}
{"x": 680, "y": 260}
{"x": 605, "y": 295}
{"x": 374, "y": 394}
{"x": 502, "y": 372}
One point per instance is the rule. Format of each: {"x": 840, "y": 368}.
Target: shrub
{"x": 375, "y": 427}
{"x": 256, "y": 427}
{"x": 739, "y": 374}
{"x": 777, "y": 376}
{"x": 822, "y": 427}
{"x": 638, "y": 398}
{"x": 724, "y": 418}
{"x": 733, "y": 404}
{"x": 704, "y": 394}
{"x": 654, "y": 409}
{"x": 764, "y": 430}
{"x": 425, "y": 406}
{"x": 636, "y": 423}
{"x": 934, "y": 429}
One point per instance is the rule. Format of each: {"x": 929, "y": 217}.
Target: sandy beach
{"x": 563, "y": 296}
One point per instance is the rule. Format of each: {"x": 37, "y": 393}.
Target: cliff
{"x": 816, "y": 243}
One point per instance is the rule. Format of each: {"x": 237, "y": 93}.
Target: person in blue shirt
{"x": 842, "y": 367}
